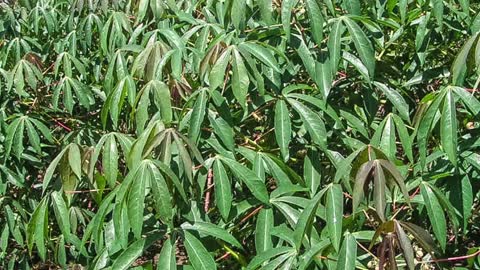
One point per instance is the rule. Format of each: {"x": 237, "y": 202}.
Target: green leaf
{"x": 348, "y": 253}
{"x": 360, "y": 180}
{"x": 305, "y": 221}
{"x": 254, "y": 184}
{"x": 263, "y": 230}
{"x": 324, "y": 77}
{"x": 379, "y": 193}
{"x": 459, "y": 66}
{"x": 448, "y": 127}
{"x": 308, "y": 256}
{"x": 334, "y": 214}
{"x": 61, "y": 214}
{"x": 312, "y": 171}
{"x": 223, "y": 192}
{"x": 313, "y": 123}
{"x": 161, "y": 195}
{"x": 362, "y": 44}
{"x": 198, "y": 114}
{"x": 267, "y": 255}
{"x": 406, "y": 246}
{"x": 462, "y": 198}
{"x": 261, "y": 53}
{"x": 135, "y": 200}
{"x": 286, "y": 12}
{"x": 166, "y": 258}
{"x": 240, "y": 80}
{"x": 316, "y": 20}
{"x": 37, "y": 229}
{"x": 214, "y": 231}
{"x": 198, "y": 254}
{"x": 425, "y": 127}
{"x": 217, "y": 74}
{"x": 283, "y": 128}
{"x": 238, "y": 14}
{"x": 396, "y": 99}
{"x": 110, "y": 160}
{"x": 435, "y": 214}
{"x": 75, "y": 159}
{"x": 334, "y": 44}
{"x": 51, "y": 169}
{"x": 404, "y": 137}
{"x": 128, "y": 256}
{"x": 438, "y": 11}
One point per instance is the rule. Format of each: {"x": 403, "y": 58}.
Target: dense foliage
{"x": 229, "y": 134}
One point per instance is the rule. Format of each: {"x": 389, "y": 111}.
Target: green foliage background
{"x": 259, "y": 134}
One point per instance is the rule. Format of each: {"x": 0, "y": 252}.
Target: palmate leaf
{"x": 162, "y": 101}
{"x": 114, "y": 32}
{"x": 114, "y": 104}
{"x": 23, "y": 73}
{"x": 14, "y": 139}
{"x": 107, "y": 146}
{"x": 67, "y": 87}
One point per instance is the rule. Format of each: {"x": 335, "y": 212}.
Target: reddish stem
{"x": 451, "y": 259}
{"x": 62, "y": 125}
{"x": 254, "y": 212}
{"x": 224, "y": 256}
{"x": 209, "y": 190}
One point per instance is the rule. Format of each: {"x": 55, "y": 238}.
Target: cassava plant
{"x": 239, "y": 134}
